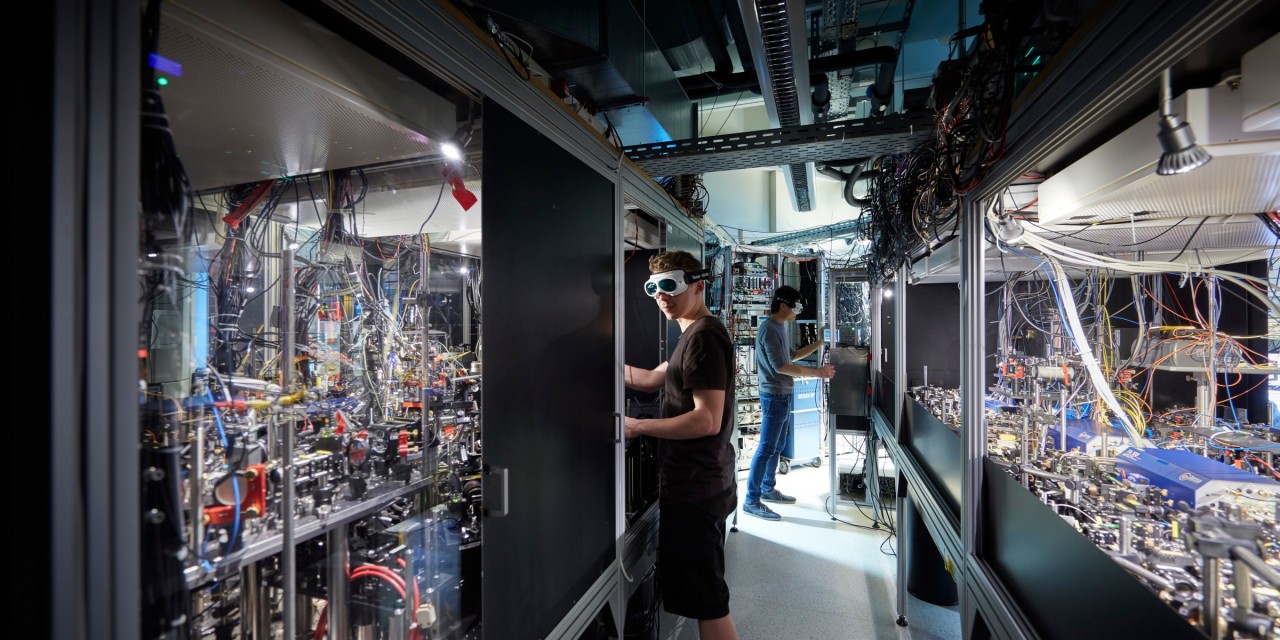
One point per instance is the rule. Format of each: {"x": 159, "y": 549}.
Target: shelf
{"x": 272, "y": 541}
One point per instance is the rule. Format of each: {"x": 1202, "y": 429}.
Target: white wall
{"x": 724, "y": 118}
{"x": 829, "y": 205}
{"x": 757, "y": 200}
{"x": 741, "y": 199}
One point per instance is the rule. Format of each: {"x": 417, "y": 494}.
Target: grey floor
{"x": 806, "y": 576}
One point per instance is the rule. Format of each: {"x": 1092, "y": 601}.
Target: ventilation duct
{"x": 605, "y": 51}
{"x": 776, "y": 32}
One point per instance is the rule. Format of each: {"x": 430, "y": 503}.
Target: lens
{"x": 225, "y": 490}
{"x": 651, "y": 288}
{"x": 667, "y": 284}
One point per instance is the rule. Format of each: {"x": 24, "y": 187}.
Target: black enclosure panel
{"x": 809, "y": 281}
{"x": 550, "y": 367}
{"x": 645, "y": 322}
{"x": 850, "y": 390}
{"x": 937, "y": 449}
{"x": 933, "y": 334}
{"x": 884, "y": 395}
{"x": 1066, "y": 587}
{"x": 887, "y": 356}
{"x": 884, "y": 383}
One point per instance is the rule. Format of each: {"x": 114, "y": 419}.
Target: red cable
{"x": 322, "y": 624}
{"x": 235, "y": 217}
{"x": 381, "y": 571}
{"x": 417, "y": 601}
{"x": 1175, "y": 298}
{"x": 369, "y": 574}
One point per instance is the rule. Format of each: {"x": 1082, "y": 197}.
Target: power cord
{"x": 828, "y": 508}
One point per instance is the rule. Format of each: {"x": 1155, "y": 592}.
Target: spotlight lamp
{"x": 454, "y": 146}
{"x": 1180, "y": 153}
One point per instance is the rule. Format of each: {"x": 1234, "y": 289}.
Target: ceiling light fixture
{"x": 454, "y": 146}
{"x": 1180, "y": 151}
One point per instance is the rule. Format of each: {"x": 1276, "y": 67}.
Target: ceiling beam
{"x": 825, "y": 142}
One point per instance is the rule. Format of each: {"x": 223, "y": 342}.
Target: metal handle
{"x": 501, "y": 472}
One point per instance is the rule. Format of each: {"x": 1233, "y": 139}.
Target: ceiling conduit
{"x": 709, "y": 85}
{"x": 776, "y": 35}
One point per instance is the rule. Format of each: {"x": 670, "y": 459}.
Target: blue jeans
{"x": 774, "y": 427}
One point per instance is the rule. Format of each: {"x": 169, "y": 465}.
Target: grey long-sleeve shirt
{"x": 772, "y": 353}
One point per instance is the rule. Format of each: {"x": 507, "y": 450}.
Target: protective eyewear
{"x": 673, "y": 283}
{"x": 796, "y": 306}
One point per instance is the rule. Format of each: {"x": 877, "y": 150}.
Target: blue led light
{"x": 165, "y": 65}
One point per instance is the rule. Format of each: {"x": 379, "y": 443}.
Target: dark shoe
{"x": 777, "y": 496}
{"x": 760, "y": 511}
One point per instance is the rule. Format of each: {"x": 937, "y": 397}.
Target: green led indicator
{"x": 162, "y": 81}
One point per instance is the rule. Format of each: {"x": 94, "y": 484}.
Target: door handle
{"x": 501, "y": 472}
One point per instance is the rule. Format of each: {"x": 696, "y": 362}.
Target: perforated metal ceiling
{"x": 245, "y": 110}
{"x": 1216, "y": 233}
{"x": 1227, "y": 185}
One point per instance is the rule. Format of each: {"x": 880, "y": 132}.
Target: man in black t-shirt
{"x": 696, "y": 463}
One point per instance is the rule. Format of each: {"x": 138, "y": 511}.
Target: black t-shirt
{"x": 699, "y": 471}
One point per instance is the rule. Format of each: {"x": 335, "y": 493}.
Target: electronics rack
{"x": 753, "y": 283}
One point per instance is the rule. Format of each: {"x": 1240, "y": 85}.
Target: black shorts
{"x": 691, "y": 561}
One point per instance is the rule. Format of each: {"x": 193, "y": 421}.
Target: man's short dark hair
{"x": 789, "y": 295}
{"x": 672, "y": 260}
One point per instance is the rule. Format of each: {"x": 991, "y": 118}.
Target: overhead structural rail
{"x": 837, "y": 230}
{"x": 827, "y": 142}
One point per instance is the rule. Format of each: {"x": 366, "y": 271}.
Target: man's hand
{"x": 630, "y": 427}
{"x": 826, "y": 372}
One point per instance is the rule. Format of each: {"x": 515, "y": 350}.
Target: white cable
{"x": 1086, "y": 355}
{"x": 1011, "y": 232}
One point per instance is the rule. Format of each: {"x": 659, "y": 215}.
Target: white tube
{"x": 1087, "y": 356}
{"x": 1046, "y": 372}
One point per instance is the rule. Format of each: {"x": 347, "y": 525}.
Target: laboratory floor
{"x": 807, "y": 577}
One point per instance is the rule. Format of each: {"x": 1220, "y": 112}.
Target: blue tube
{"x": 1230, "y": 400}
{"x": 235, "y": 487}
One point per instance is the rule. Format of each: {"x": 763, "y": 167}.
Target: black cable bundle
{"x": 914, "y": 196}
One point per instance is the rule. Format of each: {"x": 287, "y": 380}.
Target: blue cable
{"x": 235, "y": 486}
{"x": 204, "y": 551}
{"x": 1230, "y": 400}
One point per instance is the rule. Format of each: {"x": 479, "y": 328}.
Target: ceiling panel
{"x": 1217, "y": 233}
{"x": 277, "y": 95}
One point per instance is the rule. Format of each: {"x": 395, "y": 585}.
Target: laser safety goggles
{"x": 796, "y": 306}
{"x": 673, "y": 283}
